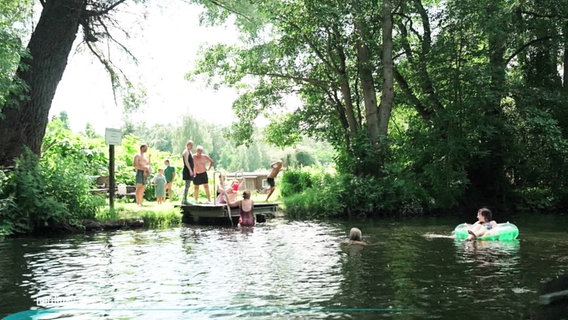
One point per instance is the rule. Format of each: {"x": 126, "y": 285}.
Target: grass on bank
{"x": 155, "y": 215}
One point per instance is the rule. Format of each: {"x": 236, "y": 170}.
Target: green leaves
{"x": 306, "y": 47}
{"x": 283, "y": 131}
{"x": 45, "y": 194}
{"x": 60, "y": 142}
{"x": 12, "y": 15}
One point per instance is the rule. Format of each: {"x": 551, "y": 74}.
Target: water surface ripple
{"x": 280, "y": 269}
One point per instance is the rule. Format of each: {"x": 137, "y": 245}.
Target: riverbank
{"x": 125, "y": 216}
{"x": 131, "y": 216}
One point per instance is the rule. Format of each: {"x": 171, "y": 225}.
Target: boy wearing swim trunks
{"x": 276, "y": 167}
{"x": 142, "y": 165}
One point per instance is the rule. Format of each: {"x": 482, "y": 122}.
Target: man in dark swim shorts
{"x": 200, "y": 161}
{"x": 200, "y": 178}
{"x": 142, "y": 165}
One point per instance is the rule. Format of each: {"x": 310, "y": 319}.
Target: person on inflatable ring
{"x": 484, "y": 223}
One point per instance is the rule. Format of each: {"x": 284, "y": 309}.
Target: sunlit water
{"x": 284, "y": 269}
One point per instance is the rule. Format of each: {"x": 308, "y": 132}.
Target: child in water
{"x": 356, "y": 237}
{"x": 246, "y": 206}
{"x": 484, "y": 223}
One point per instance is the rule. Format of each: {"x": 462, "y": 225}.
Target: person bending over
{"x": 246, "y": 207}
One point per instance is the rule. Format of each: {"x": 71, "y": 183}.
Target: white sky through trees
{"x": 166, "y": 43}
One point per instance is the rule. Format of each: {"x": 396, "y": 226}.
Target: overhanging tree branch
{"x": 526, "y": 45}
{"x": 540, "y": 15}
{"x": 229, "y": 9}
{"x": 423, "y": 111}
{"x": 291, "y": 77}
{"x": 101, "y": 9}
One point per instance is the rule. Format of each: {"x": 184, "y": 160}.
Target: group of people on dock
{"x": 195, "y": 167}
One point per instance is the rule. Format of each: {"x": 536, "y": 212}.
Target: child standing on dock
{"x": 159, "y": 182}
{"x": 170, "y": 174}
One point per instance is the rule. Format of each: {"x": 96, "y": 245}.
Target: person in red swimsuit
{"x": 246, "y": 207}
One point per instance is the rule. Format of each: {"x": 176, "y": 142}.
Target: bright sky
{"x": 166, "y": 44}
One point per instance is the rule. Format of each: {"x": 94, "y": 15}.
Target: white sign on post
{"x": 113, "y": 136}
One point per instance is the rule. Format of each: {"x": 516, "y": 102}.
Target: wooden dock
{"x": 216, "y": 213}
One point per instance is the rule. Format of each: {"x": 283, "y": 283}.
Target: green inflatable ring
{"x": 501, "y": 232}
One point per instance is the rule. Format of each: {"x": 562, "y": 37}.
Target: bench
{"x": 124, "y": 191}
{"x": 101, "y": 191}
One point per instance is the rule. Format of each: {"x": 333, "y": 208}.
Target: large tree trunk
{"x": 387, "y": 96}
{"x": 348, "y": 105}
{"x": 565, "y": 71}
{"x": 345, "y": 90}
{"x": 49, "y": 47}
{"x": 364, "y": 65}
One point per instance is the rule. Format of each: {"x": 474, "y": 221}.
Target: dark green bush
{"x": 361, "y": 158}
{"x": 66, "y": 182}
{"x": 535, "y": 199}
{"x": 46, "y": 195}
{"x": 319, "y": 201}
{"x": 35, "y": 208}
{"x": 294, "y": 182}
{"x": 347, "y": 195}
{"x": 7, "y": 206}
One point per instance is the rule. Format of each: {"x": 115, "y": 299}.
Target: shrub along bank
{"x": 37, "y": 196}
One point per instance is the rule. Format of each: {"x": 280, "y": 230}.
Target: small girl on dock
{"x": 159, "y": 182}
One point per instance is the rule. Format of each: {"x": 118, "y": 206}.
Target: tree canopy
{"x": 463, "y": 100}
{"x": 479, "y": 88}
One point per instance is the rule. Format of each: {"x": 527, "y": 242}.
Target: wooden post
{"x": 111, "y": 183}
{"x": 112, "y": 137}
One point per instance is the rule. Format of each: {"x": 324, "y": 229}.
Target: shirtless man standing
{"x": 200, "y": 161}
{"x": 276, "y": 167}
{"x": 142, "y": 165}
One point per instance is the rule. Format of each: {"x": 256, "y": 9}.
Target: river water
{"x": 283, "y": 269}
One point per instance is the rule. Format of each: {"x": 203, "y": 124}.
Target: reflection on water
{"x": 485, "y": 263}
{"x": 279, "y": 269}
{"x": 497, "y": 252}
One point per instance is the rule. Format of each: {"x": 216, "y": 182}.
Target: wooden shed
{"x": 253, "y": 180}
